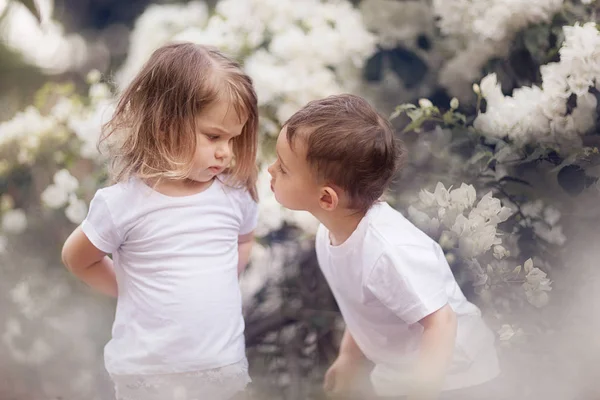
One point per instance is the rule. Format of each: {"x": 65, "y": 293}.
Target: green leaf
{"x": 402, "y": 108}
{"x": 415, "y": 114}
{"x": 413, "y": 125}
{"x": 32, "y": 7}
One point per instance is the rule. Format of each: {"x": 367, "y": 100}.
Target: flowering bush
{"x": 523, "y": 141}
{"x": 559, "y": 112}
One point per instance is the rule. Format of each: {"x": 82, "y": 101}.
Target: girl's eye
{"x": 212, "y": 137}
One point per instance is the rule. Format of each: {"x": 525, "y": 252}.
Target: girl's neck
{"x": 180, "y": 187}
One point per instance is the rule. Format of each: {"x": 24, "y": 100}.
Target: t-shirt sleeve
{"x": 409, "y": 280}
{"x": 249, "y": 215}
{"x": 99, "y": 226}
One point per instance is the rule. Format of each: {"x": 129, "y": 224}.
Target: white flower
{"x": 552, "y": 234}
{"x": 88, "y": 126}
{"x": 463, "y": 197}
{"x": 500, "y": 252}
{"x": 425, "y": 103}
{"x": 14, "y": 221}
{"x": 76, "y": 210}
{"x": 54, "y": 196}
{"x": 423, "y": 221}
{"x": 506, "y": 332}
{"x": 46, "y": 44}
{"x": 551, "y": 215}
{"x": 427, "y": 198}
{"x": 533, "y": 208}
{"x": 156, "y": 26}
{"x": 26, "y": 128}
{"x": 491, "y": 209}
{"x": 65, "y": 181}
{"x": 538, "y": 115}
{"x": 99, "y": 91}
{"x": 477, "y": 241}
{"x": 442, "y": 196}
{"x": 448, "y": 240}
{"x": 397, "y": 22}
{"x": 454, "y": 103}
{"x": 93, "y": 76}
{"x": 292, "y": 54}
{"x": 536, "y": 285}
{"x": 63, "y": 108}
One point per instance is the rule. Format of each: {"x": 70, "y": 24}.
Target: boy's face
{"x": 292, "y": 179}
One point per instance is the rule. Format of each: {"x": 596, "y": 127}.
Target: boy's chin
{"x": 289, "y": 206}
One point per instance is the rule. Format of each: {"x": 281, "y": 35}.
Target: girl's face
{"x": 216, "y": 128}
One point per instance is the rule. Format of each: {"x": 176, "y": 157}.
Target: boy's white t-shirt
{"x": 386, "y": 277}
{"x": 179, "y": 307}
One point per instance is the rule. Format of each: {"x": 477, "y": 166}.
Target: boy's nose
{"x": 270, "y": 169}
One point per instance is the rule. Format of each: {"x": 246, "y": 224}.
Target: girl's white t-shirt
{"x": 388, "y": 276}
{"x": 179, "y": 306}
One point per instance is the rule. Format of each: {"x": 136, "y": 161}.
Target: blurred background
{"x": 496, "y": 100}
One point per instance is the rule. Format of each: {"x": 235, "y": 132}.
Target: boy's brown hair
{"x": 349, "y": 145}
{"x": 154, "y": 125}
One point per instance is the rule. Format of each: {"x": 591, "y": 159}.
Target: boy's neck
{"x": 341, "y": 224}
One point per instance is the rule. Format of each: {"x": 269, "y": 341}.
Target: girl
{"x": 178, "y": 222}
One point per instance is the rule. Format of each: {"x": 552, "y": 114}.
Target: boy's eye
{"x": 280, "y": 168}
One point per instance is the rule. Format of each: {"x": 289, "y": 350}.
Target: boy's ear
{"x": 328, "y": 198}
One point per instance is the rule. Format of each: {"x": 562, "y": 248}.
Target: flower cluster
{"x": 540, "y": 115}
{"x": 294, "y": 54}
{"x": 544, "y": 220}
{"x": 451, "y": 217}
{"x": 495, "y": 20}
{"x": 44, "y": 44}
{"x": 67, "y": 132}
{"x": 480, "y": 30}
{"x": 469, "y": 229}
{"x": 396, "y": 22}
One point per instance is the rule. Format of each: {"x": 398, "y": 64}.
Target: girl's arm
{"x": 245, "y": 243}
{"x": 437, "y": 347}
{"x": 89, "y": 264}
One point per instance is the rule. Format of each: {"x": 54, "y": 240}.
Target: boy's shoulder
{"x": 389, "y": 228}
{"x": 383, "y": 231}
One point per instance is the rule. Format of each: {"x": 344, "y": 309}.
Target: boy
{"x": 403, "y": 309}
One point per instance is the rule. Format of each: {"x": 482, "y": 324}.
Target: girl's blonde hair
{"x": 153, "y": 130}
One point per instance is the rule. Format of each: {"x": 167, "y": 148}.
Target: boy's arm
{"x": 89, "y": 264}
{"x": 341, "y": 377}
{"x": 245, "y": 243}
{"x": 349, "y": 348}
{"x": 435, "y": 353}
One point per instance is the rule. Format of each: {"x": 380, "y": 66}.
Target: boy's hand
{"x": 340, "y": 378}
